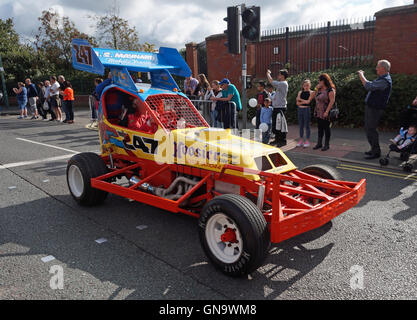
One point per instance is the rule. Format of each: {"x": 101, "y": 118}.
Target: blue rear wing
{"x": 94, "y": 60}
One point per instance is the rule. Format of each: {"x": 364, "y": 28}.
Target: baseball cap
{"x": 225, "y": 81}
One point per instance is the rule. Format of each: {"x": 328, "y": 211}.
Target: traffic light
{"x": 251, "y": 17}
{"x": 233, "y": 30}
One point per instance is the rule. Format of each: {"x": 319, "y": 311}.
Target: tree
{"x": 148, "y": 47}
{"x": 115, "y": 32}
{"x": 8, "y": 35}
{"x": 54, "y": 37}
{"x": 19, "y": 60}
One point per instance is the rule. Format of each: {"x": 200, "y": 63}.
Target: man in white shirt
{"x": 279, "y": 104}
{"x": 54, "y": 99}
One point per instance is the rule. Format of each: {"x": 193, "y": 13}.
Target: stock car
{"x": 246, "y": 195}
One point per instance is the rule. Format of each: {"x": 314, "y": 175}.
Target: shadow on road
{"x": 138, "y": 262}
{"x": 399, "y": 196}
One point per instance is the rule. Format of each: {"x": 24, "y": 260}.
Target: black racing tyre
{"x": 383, "y": 161}
{"x": 323, "y": 171}
{"x": 80, "y": 169}
{"x": 234, "y": 234}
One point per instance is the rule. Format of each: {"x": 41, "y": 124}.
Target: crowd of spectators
{"x": 53, "y": 97}
{"x": 324, "y": 95}
{"x": 223, "y": 97}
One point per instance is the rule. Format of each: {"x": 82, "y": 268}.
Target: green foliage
{"x": 19, "y": 61}
{"x": 350, "y": 95}
{"x": 9, "y": 37}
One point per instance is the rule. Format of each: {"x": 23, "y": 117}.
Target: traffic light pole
{"x": 3, "y": 81}
{"x": 244, "y": 74}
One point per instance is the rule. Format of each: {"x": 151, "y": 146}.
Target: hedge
{"x": 351, "y": 95}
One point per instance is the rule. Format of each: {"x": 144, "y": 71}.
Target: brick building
{"x": 391, "y": 34}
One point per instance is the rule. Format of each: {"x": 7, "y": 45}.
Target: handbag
{"x": 334, "y": 113}
{"x": 45, "y": 106}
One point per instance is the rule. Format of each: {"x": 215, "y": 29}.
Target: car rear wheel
{"x": 234, "y": 234}
{"x": 80, "y": 169}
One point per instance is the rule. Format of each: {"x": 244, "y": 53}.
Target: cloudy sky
{"x": 176, "y": 22}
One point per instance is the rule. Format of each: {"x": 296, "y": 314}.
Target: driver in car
{"x": 136, "y": 117}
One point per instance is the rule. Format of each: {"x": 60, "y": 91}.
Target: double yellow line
{"x": 411, "y": 176}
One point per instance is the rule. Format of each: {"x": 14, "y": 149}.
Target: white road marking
{"x": 48, "y": 259}
{"x": 166, "y": 290}
{"x": 27, "y": 163}
{"x": 47, "y": 145}
{"x": 101, "y": 240}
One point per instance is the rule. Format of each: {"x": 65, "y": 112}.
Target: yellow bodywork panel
{"x": 205, "y": 148}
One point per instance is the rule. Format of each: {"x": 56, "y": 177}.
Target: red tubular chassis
{"x": 300, "y": 203}
{"x": 240, "y": 211}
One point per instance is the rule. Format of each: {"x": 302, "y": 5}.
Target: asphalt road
{"x": 162, "y": 259}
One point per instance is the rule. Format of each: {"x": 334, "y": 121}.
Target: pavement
{"x": 348, "y": 145}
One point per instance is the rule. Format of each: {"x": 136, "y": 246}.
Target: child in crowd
{"x": 405, "y": 139}
{"x": 215, "y": 112}
{"x": 266, "y": 117}
{"x": 260, "y": 97}
{"x": 270, "y": 89}
{"x": 304, "y": 113}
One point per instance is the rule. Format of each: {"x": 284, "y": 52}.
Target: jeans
{"x": 304, "y": 116}
{"x": 94, "y": 112}
{"x": 372, "y": 117}
{"x": 230, "y": 116}
{"x": 213, "y": 116}
{"x": 69, "y": 113}
{"x": 266, "y": 135}
{"x": 22, "y": 104}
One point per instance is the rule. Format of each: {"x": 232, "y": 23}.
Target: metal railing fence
{"x": 314, "y": 47}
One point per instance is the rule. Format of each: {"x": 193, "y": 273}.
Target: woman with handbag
{"x": 22, "y": 99}
{"x": 325, "y": 95}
